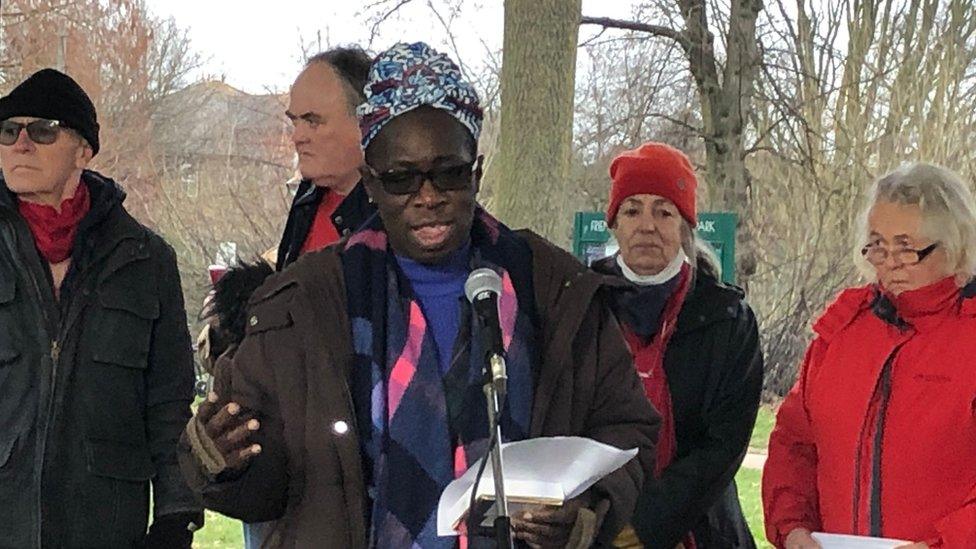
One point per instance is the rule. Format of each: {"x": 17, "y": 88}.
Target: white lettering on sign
{"x": 598, "y": 226}
{"x": 706, "y": 226}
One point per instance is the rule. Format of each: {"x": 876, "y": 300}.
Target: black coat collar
{"x": 709, "y": 301}
{"x": 354, "y": 210}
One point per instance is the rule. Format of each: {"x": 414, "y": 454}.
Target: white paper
{"x": 552, "y": 468}
{"x": 843, "y": 541}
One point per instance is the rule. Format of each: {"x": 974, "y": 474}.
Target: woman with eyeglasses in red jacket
{"x": 878, "y": 436}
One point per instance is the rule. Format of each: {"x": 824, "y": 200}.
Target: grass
{"x": 748, "y": 481}
{"x": 764, "y": 425}
{"x": 221, "y": 532}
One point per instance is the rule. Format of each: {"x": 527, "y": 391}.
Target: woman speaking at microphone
{"x": 696, "y": 348}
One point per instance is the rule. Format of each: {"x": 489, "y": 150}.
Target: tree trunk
{"x": 725, "y": 103}
{"x": 537, "y": 89}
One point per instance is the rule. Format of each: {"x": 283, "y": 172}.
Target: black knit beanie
{"x": 53, "y": 95}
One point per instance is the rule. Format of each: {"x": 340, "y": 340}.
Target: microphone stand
{"x": 495, "y": 396}
{"x": 482, "y": 289}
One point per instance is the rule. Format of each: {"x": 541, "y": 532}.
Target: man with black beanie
{"x": 96, "y": 374}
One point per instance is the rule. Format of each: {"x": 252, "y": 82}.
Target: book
{"x": 538, "y": 471}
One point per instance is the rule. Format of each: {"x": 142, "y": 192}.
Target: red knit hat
{"x": 653, "y": 168}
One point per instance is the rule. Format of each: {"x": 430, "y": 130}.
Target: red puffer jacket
{"x": 878, "y": 436}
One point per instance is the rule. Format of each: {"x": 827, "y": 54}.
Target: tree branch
{"x": 680, "y": 123}
{"x": 450, "y": 37}
{"x": 591, "y": 40}
{"x": 375, "y": 28}
{"x": 656, "y": 30}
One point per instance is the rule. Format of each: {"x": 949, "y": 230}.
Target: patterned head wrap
{"x": 408, "y": 76}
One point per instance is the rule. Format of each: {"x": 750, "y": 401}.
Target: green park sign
{"x": 592, "y": 238}
{"x": 718, "y": 229}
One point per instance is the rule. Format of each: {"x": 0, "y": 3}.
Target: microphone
{"x": 482, "y": 289}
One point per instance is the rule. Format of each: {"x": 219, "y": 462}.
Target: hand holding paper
{"x": 550, "y": 526}
{"x": 546, "y": 471}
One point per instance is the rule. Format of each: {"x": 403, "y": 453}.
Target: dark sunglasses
{"x": 41, "y": 131}
{"x": 445, "y": 178}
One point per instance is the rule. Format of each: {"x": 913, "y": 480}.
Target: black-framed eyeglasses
{"x": 444, "y": 178}
{"x": 877, "y": 254}
{"x": 41, "y": 131}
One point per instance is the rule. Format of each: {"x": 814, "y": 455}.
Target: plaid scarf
{"x": 420, "y": 429}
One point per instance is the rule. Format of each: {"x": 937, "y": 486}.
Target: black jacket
{"x": 94, "y": 388}
{"x": 714, "y": 366}
{"x": 351, "y": 213}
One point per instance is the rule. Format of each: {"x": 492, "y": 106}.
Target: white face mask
{"x": 666, "y": 274}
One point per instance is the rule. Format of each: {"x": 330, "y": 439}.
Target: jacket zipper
{"x": 56, "y": 331}
{"x": 42, "y": 301}
{"x": 66, "y": 320}
{"x": 878, "y": 390}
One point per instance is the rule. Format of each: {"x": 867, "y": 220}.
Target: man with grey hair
{"x": 330, "y": 202}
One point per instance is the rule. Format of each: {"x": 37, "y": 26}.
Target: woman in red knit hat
{"x": 696, "y": 348}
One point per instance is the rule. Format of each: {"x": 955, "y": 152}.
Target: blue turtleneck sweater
{"x": 439, "y": 289}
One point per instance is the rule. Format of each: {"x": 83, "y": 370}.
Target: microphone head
{"x": 480, "y": 281}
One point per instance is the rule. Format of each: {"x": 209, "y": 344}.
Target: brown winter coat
{"x": 293, "y": 367}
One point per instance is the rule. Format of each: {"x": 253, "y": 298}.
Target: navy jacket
{"x": 351, "y": 213}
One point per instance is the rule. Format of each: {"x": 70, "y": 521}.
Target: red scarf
{"x": 54, "y": 232}
{"x": 649, "y": 361}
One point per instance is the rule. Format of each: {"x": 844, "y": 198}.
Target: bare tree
{"x": 222, "y": 158}
{"x": 845, "y": 96}
{"x": 632, "y": 88}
